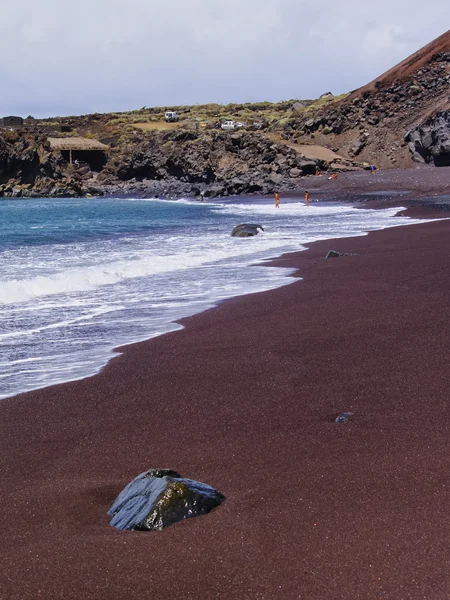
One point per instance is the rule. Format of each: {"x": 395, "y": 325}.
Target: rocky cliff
{"x": 29, "y": 168}
{"x": 209, "y": 164}
{"x": 430, "y": 143}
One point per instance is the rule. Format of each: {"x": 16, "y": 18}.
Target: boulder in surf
{"x": 246, "y": 230}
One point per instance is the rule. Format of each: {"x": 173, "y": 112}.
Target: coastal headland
{"x": 245, "y": 398}
{"x": 399, "y": 120}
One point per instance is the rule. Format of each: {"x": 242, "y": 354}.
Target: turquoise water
{"x": 79, "y": 277}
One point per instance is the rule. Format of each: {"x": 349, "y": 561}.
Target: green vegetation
{"x": 120, "y": 126}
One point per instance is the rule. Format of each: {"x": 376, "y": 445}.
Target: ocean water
{"x": 79, "y": 277}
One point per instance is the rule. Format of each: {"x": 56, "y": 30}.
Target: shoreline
{"x": 116, "y": 350}
{"x": 324, "y": 512}
{"x": 414, "y": 184}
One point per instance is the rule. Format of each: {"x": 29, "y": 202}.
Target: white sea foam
{"x": 64, "y": 307}
{"x": 299, "y": 209}
{"x": 60, "y": 324}
{"x": 109, "y": 273}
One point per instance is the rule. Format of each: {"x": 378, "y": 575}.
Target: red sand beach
{"x": 244, "y": 398}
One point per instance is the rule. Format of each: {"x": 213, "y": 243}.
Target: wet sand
{"x": 423, "y": 186}
{"x": 244, "y": 398}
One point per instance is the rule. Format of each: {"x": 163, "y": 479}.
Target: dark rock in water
{"x": 246, "y": 230}
{"x": 344, "y": 417}
{"x": 160, "y": 497}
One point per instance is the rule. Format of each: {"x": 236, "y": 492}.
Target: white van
{"x": 171, "y": 116}
{"x": 228, "y": 125}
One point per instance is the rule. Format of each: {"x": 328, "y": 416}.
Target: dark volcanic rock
{"x": 308, "y": 167}
{"x": 246, "y": 230}
{"x": 215, "y": 191}
{"x": 344, "y": 417}
{"x": 171, "y": 163}
{"x": 160, "y": 497}
{"x": 217, "y": 164}
{"x": 25, "y": 160}
{"x": 430, "y": 143}
{"x": 335, "y": 254}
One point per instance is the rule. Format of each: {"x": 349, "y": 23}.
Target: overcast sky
{"x": 83, "y": 56}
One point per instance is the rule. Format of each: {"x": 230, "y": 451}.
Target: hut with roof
{"x": 78, "y": 149}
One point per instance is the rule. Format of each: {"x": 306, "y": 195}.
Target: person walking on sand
{"x": 307, "y": 198}
{"x": 277, "y": 200}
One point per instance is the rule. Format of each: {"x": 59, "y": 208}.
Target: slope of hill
{"x": 376, "y": 122}
{"x": 412, "y": 64}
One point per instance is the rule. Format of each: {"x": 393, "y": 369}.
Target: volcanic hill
{"x": 400, "y": 118}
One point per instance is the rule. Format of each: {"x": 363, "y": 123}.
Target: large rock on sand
{"x": 160, "y": 497}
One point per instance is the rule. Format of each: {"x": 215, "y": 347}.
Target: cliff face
{"x": 430, "y": 143}
{"x": 29, "y": 168}
{"x": 209, "y": 163}
{"x": 23, "y": 157}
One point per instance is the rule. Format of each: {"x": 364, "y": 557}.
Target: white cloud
{"x": 97, "y": 55}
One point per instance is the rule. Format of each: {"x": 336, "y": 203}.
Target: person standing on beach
{"x": 277, "y": 200}
{"x": 307, "y": 198}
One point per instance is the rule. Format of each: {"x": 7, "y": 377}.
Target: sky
{"x": 76, "y": 57}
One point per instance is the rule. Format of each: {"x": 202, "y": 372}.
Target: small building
{"x": 11, "y": 122}
{"x": 92, "y": 152}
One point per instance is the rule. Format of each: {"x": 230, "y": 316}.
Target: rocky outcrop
{"x": 28, "y": 168}
{"x": 160, "y": 497}
{"x": 211, "y": 163}
{"x": 430, "y": 143}
{"x": 207, "y": 164}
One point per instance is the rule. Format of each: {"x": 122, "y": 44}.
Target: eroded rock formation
{"x": 29, "y": 168}
{"x": 430, "y": 143}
